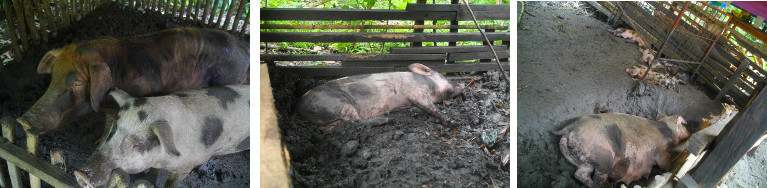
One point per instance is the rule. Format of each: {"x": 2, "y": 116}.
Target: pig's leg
{"x": 431, "y": 109}
{"x": 663, "y": 160}
{"x": 175, "y": 179}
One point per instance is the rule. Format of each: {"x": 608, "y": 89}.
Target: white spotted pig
{"x": 175, "y": 132}
{"x": 363, "y": 98}
{"x": 619, "y": 146}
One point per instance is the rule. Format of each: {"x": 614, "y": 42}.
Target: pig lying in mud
{"x": 364, "y": 97}
{"x": 631, "y": 36}
{"x": 174, "y": 132}
{"x": 619, "y": 146}
{"x": 145, "y": 65}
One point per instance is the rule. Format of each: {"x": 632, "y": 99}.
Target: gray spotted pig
{"x": 619, "y": 146}
{"x": 175, "y": 132}
{"x": 363, "y": 98}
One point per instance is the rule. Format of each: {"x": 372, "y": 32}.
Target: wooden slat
{"x": 482, "y": 12}
{"x": 345, "y": 71}
{"x": 275, "y": 164}
{"x": 206, "y": 10}
{"x": 378, "y": 37}
{"x": 263, "y": 26}
{"x": 47, "y": 172}
{"x": 30, "y": 24}
{"x": 37, "y": 5}
{"x": 51, "y": 17}
{"x": 182, "y": 13}
{"x": 245, "y": 26}
{"x": 460, "y": 56}
{"x": 11, "y": 21}
{"x": 213, "y": 12}
{"x": 403, "y": 63}
{"x": 351, "y": 57}
{"x": 221, "y": 14}
{"x": 8, "y": 130}
{"x": 734, "y": 141}
{"x": 352, "y": 14}
{"x": 444, "y": 49}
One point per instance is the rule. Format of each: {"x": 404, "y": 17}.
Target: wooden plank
{"x": 382, "y": 27}
{"x": 37, "y": 5}
{"x": 221, "y": 15}
{"x": 32, "y": 142}
{"x": 351, "y": 57}
{"x": 182, "y": 13}
{"x": 274, "y": 162}
{"x": 404, "y": 63}
{"x": 734, "y": 141}
{"x": 351, "y": 14}
{"x": 239, "y": 15}
{"x": 460, "y": 56}
{"x": 456, "y": 7}
{"x": 51, "y": 17}
{"x": 444, "y": 49}
{"x": 602, "y": 9}
{"x": 8, "y": 130}
{"x": 483, "y": 15}
{"x": 346, "y": 71}
{"x": 245, "y": 26}
{"x": 206, "y": 10}
{"x": 30, "y": 24}
{"x": 47, "y": 172}
{"x": 377, "y": 37}
{"x": 213, "y": 12}
{"x": 11, "y": 21}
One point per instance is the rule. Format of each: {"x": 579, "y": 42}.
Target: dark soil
{"x": 21, "y": 86}
{"x": 410, "y": 151}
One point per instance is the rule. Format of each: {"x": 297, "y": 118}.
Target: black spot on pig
{"x": 212, "y": 128}
{"x": 666, "y": 132}
{"x": 125, "y": 107}
{"x": 423, "y": 80}
{"x": 71, "y": 78}
{"x": 224, "y": 95}
{"x": 150, "y": 143}
{"x": 245, "y": 144}
{"x": 622, "y": 166}
{"x": 181, "y": 95}
{"x": 616, "y": 137}
{"x": 141, "y": 115}
{"x": 361, "y": 90}
{"x": 595, "y": 117}
{"x": 139, "y": 102}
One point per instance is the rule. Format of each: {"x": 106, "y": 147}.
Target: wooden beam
{"x": 352, "y": 14}
{"x": 403, "y": 63}
{"x": 378, "y": 37}
{"x": 460, "y": 56}
{"x": 275, "y": 161}
{"x": 445, "y": 49}
{"x": 382, "y": 27}
{"x": 734, "y": 141}
{"x": 8, "y": 129}
{"x": 346, "y": 71}
{"x": 456, "y": 7}
{"x": 351, "y": 57}
{"x": 30, "y": 163}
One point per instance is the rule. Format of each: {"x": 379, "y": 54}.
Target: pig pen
{"x": 21, "y": 86}
{"x": 569, "y": 65}
{"x": 410, "y": 151}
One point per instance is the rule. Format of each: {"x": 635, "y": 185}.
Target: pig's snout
{"x": 84, "y": 178}
{"x": 32, "y": 123}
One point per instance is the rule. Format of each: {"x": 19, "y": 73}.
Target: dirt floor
{"x": 569, "y": 65}
{"x": 21, "y": 86}
{"x": 410, "y": 151}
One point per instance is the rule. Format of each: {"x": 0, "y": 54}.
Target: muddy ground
{"x": 569, "y": 65}
{"x": 410, "y": 151}
{"x": 21, "y": 86}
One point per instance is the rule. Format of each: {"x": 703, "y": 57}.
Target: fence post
{"x": 13, "y": 171}
{"x": 32, "y": 141}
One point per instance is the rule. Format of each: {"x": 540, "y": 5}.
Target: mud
{"x": 21, "y": 86}
{"x": 410, "y": 151}
{"x": 569, "y": 65}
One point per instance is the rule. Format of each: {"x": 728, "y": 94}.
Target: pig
{"x": 647, "y": 56}
{"x": 146, "y": 65}
{"x": 631, "y": 36}
{"x": 619, "y": 146}
{"x": 363, "y": 98}
{"x": 653, "y": 77}
{"x": 174, "y": 132}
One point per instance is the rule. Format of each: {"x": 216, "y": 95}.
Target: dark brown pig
{"x": 145, "y": 65}
{"x": 365, "y": 97}
{"x": 619, "y": 146}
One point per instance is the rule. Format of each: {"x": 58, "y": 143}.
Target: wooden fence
{"x": 34, "y": 21}
{"x": 728, "y": 66}
{"x": 440, "y": 58}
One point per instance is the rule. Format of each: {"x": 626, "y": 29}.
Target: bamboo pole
{"x": 51, "y": 18}
{"x": 245, "y": 26}
{"x": 168, "y": 9}
{"x": 237, "y": 17}
{"x": 13, "y": 171}
{"x": 221, "y": 13}
{"x": 182, "y": 13}
{"x": 32, "y": 143}
{"x": 212, "y": 12}
{"x": 72, "y": 10}
{"x": 31, "y": 22}
{"x": 205, "y": 11}
{"x": 176, "y": 8}
{"x": 11, "y": 22}
{"x": 196, "y": 11}
{"x": 20, "y": 24}
{"x": 37, "y": 5}
{"x": 189, "y": 7}
{"x": 228, "y": 17}
{"x": 62, "y": 8}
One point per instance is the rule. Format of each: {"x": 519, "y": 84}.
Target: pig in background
{"x": 174, "y": 132}
{"x": 364, "y": 98}
{"x": 619, "y": 147}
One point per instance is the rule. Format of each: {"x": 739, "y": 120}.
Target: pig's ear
{"x": 121, "y": 97}
{"x": 162, "y": 130}
{"x": 45, "y": 66}
{"x": 420, "y": 69}
{"x": 101, "y": 82}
